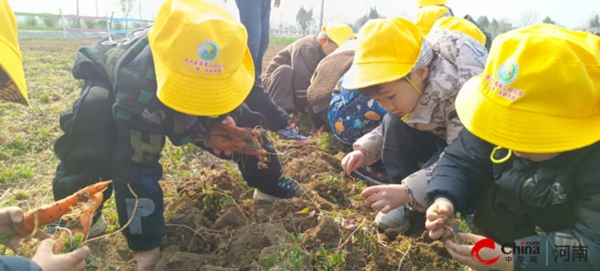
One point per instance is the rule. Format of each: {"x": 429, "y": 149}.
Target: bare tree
{"x": 126, "y": 8}
{"x": 529, "y": 17}
{"x": 304, "y": 18}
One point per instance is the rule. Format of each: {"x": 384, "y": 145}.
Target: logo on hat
{"x": 508, "y": 71}
{"x": 208, "y": 51}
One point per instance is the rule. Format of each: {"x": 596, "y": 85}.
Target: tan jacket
{"x": 303, "y": 56}
{"x": 326, "y": 77}
{"x": 457, "y": 58}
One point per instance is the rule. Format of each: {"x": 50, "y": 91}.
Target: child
{"x": 186, "y": 78}
{"x": 288, "y": 75}
{"x": 430, "y": 11}
{"x": 13, "y": 89}
{"x": 529, "y": 155}
{"x": 415, "y": 79}
{"x": 428, "y": 14}
{"x": 325, "y": 79}
{"x": 352, "y": 115}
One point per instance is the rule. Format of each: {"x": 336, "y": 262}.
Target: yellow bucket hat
{"x": 387, "y": 50}
{"x": 539, "y": 93}
{"x": 422, "y": 3}
{"x": 12, "y": 85}
{"x": 338, "y": 33}
{"x": 428, "y": 15}
{"x": 461, "y": 25}
{"x": 202, "y": 63}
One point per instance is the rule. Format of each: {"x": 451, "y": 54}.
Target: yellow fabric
{"x": 422, "y": 3}
{"x": 539, "y": 92}
{"x": 387, "y": 50}
{"x": 202, "y": 63}
{"x": 338, "y": 33}
{"x": 461, "y": 25}
{"x": 10, "y": 57}
{"x": 428, "y": 15}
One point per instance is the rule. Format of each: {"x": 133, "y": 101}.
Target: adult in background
{"x": 255, "y": 16}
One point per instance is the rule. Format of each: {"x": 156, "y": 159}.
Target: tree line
{"x": 495, "y": 27}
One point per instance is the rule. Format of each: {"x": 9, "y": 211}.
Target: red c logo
{"x": 484, "y": 243}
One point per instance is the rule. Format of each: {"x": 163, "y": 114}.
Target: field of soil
{"x": 212, "y": 221}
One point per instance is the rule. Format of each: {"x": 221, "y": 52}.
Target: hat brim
{"x": 370, "y": 74}
{"x": 204, "y": 97}
{"x": 519, "y": 130}
{"x": 13, "y": 66}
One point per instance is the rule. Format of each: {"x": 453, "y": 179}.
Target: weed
{"x": 329, "y": 260}
{"x": 213, "y": 200}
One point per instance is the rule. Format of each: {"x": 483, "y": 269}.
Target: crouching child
{"x": 186, "y": 78}
{"x": 415, "y": 79}
{"x": 288, "y": 76}
{"x": 528, "y": 156}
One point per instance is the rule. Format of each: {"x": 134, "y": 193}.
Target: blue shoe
{"x": 295, "y": 190}
{"x": 290, "y": 133}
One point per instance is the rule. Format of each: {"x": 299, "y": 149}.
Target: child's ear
{"x": 422, "y": 73}
{"x": 322, "y": 41}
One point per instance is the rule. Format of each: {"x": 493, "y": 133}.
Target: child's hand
{"x": 353, "y": 161}
{"x": 438, "y": 214}
{"x": 49, "y": 261}
{"x": 9, "y": 216}
{"x": 385, "y": 197}
{"x": 228, "y": 137}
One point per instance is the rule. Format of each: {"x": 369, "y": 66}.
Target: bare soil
{"x": 223, "y": 229}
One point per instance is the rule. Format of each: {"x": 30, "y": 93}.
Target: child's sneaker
{"x": 97, "y": 228}
{"x": 395, "y": 219}
{"x": 290, "y": 133}
{"x": 296, "y": 190}
{"x": 373, "y": 174}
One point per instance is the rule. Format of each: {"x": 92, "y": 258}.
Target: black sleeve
{"x": 463, "y": 167}
{"x": 259, "y": 100}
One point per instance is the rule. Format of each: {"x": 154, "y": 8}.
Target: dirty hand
{"x": 438, "y": 214}
{"x": 486, "y": 251}
{"x": 147, "y": 259}
{"x": 227, "y": 137}
{"x": 276, "y": 3}
{"x": 385, "y": 197}
{"x": 353, "y": 161}
{"x": 49, "y": 261}
{"x": 9, "y": 216}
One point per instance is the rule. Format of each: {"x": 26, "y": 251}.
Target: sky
{"x": 572, "y": 13}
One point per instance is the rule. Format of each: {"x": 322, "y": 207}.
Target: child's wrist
{"x": 443, "y": 199}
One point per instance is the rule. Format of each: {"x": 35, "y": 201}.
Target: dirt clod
{"x": 232, "y": 218}
{"x": 183, "y": 261}
{"x": 325, "y": 234}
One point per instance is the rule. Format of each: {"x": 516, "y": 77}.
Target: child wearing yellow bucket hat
{"x": 289, "y": 74}
{"x": 12, "y": 77}
{"x": 431, "y": 11}
{"x": 13, "y": 89}
{"x": 529, "y": 154}
{"x": 415, "y": 79}
{"x": 188, "y": 77}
